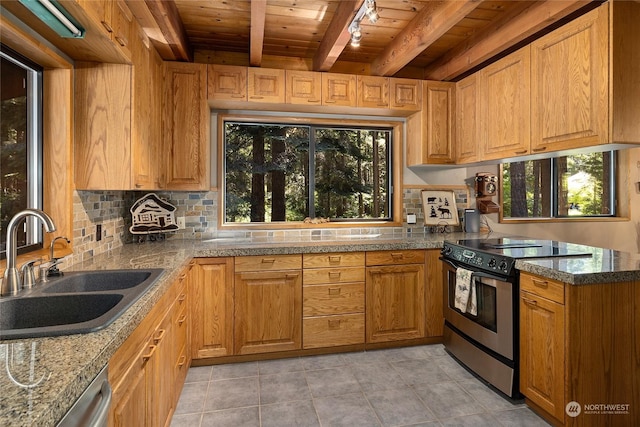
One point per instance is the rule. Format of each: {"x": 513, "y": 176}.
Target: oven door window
{"x": 486, "y": 295}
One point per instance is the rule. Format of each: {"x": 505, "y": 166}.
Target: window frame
{"x": 35, "y": 142}
{"x": 395, "y": 124}
{"x": 617, "y": 183}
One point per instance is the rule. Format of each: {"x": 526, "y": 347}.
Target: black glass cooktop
{"x": 524, "y": 248}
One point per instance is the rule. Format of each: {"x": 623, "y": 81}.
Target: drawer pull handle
{"x": 268, "y": 260}
{"x": 122, "y": 41}
{"x": 291, "y": 275}
{"x": 152, "y": 350}
{"x": 541, "y": 283}
{"x": 182, "y": 361}
{"x": 334, "y": 324}
{"x": 182, "y": 319}
{"x": 530, "y": 301}
{"x": 160, "y": 336}
{"x": 521, "y": 152}
{"x": 182, "y": 277}
{"x": 334, "y": 275}
{"x": 334, "y": 291}
{"x": 397, "y": 255}
{"x": 182, "y": 297}
{"x": 536, "y": 150}
{"x": 334, "y": 258}
{"x": 106, "y": 26}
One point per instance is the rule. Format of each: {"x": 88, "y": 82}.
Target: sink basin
{"x": 78, "y": 302}
{"x": 39, "y": 312}
{"x": 98, "y": 281}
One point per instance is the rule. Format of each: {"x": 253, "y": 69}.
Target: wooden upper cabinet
{"x": 373, "y": 92}
{"x": 266, "y": 85}
{"x": 570, "y": 85}
{"x": 505, "y": 99}
{"x": 102, "y": 111}
{"x": 438, "y": 126}
{"x": 467, "y": 120}
{"x": 406, "y": 94}
{"x": 186, "y": 126}
{"x": 339, "y": 89}
{"x": 303, "y": 87}
{"x": 114, "y": 20}
{"x": 227, "y": 82}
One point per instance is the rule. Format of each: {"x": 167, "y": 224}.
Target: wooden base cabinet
{"x": 268, "y": 304}
{"x": 579, "y": 343}
{"x": 212, "y": 307}
{"x": 147, "y": 372}
{"x": 333, "y": 299}
{"x": 395, "y": 295}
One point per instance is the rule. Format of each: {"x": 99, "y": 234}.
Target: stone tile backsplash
{"x": 110, "y": 209}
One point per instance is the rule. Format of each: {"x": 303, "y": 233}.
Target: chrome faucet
{"x": 12, "y": 284}
{"x": 53, "y": 268}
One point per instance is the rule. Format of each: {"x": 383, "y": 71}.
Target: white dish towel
{"x": 465, "y": 295}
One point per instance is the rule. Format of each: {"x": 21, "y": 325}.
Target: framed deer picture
{"x": 439, "y": 207}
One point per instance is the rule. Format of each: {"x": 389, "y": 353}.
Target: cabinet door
{"x": 186, "y": 126}
{"x": 227, "y": 82}
{"x": 373, "y": 92}
{"x": 395, "y": 302}
{"x": 542, "y": 355}
{"x": 102, "y": 126}
{"x": 303, "y": 87}
{"x": 129, "y": 396}
{"x": 211, "y": 292}
{"x": 339, "y": 89}
{"x": 123, "y": 26}
{"x": 268, "y": 311}
{"x": 266, "y": 85}
{"x": 406, "y": 94}
{"x": 160, "y": 376}
{"x": 438, "y": 121}
{"x": 505, "y": 95}
{"x": 434, "y": 310}
{"x": 467, "y": 120}
{"x": 569, "y": 85}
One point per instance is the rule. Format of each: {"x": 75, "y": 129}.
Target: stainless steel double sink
{"x": 78, "y": 302}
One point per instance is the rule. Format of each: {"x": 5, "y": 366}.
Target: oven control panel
{"x": 475, "y": 259}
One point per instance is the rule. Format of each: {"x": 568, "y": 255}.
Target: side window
{"x": 21, "y": 146}
{"x": 577, "y": 186}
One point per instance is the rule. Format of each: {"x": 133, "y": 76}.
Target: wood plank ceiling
{"x": 431, "y": 39}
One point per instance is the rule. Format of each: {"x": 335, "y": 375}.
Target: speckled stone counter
{"x": 44, "y": 376}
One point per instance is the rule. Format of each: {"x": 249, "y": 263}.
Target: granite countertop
{"x": 44, "y": 376}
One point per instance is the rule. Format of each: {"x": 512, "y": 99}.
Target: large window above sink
{"x": 576, "y": 186}
{"x": 279, "y": 172}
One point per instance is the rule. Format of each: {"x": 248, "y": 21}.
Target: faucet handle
{"x": 28, "y": 276}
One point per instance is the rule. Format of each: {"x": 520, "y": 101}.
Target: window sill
{"x": 561, "y": 220}
{"x": 302, "y": 225}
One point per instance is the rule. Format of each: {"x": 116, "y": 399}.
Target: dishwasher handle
{"x": 102, "y": 413}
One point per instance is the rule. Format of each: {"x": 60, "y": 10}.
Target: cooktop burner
{"x": 524, "y": 248}
{"x": 499, "y": 254}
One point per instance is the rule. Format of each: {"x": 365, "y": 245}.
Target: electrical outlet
{"x": 98, "y": 232}
{"x": 181, "y": 222}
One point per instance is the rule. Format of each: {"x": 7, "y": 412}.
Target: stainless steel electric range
{"x": 487, "y": 342}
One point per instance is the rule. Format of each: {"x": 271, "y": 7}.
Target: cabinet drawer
{"x": 268, "y": 263}
{"x": 181, "y": 366}
{"x": 332, "y": 299}
{"x": 330, "y": 331}
{"x": 317, "y": 276}
{"x": 395, "y": 257}
{"x": 342, "y": 259}
{"x": 546, "y": 288}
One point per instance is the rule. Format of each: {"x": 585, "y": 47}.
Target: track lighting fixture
{"x": 367, "y": 9}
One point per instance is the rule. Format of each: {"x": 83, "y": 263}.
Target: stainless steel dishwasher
{"x": 92, "y": 408}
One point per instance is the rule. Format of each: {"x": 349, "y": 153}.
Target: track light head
{"x": 372, "y": 11}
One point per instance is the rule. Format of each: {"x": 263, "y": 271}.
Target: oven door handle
{"x": 479, "y": 274}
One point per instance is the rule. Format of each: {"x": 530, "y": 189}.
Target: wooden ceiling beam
{"x": 337, "y": 35}
{"x": 167, "y": 23}
{"x": 258, "y": 16}
{"x": 433, "y": 21}
{"x": 524, "y": 20}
